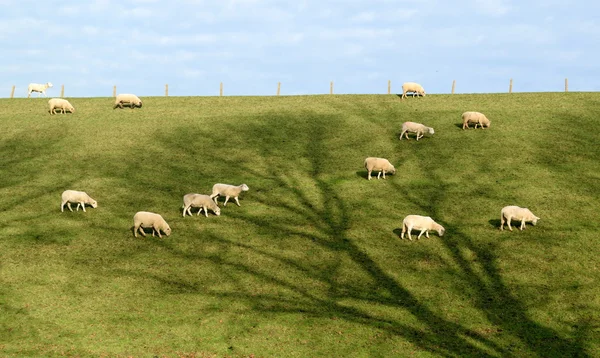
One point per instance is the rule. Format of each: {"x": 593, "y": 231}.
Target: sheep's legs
{"x": 157, "y": 231}
{"x": 369, "y": 175}
{"x": 522, "y": 224}
{"x": 237, "y": 201}
{"x": 226, "y": 199}
{"x": 69, "y": 206}
{"x": 508, "y": 223}
{"x": 421, "y": 233}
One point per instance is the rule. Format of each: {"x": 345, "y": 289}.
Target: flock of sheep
{"x": 129, "y": 100}
{"x": 148, "y": 220}
{"x": 424, "y": 224}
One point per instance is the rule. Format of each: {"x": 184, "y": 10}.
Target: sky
{"x": 251, "y": 45}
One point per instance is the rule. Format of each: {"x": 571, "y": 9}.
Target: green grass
{"x": 311, "y": 264}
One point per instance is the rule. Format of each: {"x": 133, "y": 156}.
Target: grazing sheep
{"x": 62, "y": 104}
{"x": 128, "y": 99}
{"x": 475, "y": 117}
{"x": 513, "y": 212}
{"x": 36, "y": 87}
{"x": 423, "y": 223}
{"x": 413, "y": 87}
{"x": 417, "y": 128}
{"x": 227, "y": 191}
{"x": 204, "y": 202}
{"x": 379, "y": 164}
{"x": 79, "y": 197}
{"x": 145, "y": 219}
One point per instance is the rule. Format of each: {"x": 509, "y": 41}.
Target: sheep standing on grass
{"x": 417, "y": 128}
{"x": 204, "y": 202}
{"x": 423, "y": 223}
{"x": 475, "y": 117}
{"x": 36, "y": 87}
{"x": 413, "y": 87}
{"x": 145, "y": 219}
{"x": 379, "y": 164}
{"x": 513, "y": 212}
{"x": 61, "y": 104}
{"x": 130, "y": 100}
{"x": 228, "y": 191}
{"x": 79, "y": 197}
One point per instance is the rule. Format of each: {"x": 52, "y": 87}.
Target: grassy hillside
{"x": 311, "y": 264}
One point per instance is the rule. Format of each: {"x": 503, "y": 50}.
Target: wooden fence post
{"x": 167, "y": 90}
{"x": 278, "y": 88}
{"x": 331, "y": 88}
{"x": 62, "y": 90}
{"x": 566, "y": 85}
{"x": 12, "y": 92}
{"x": 453, "y": 86}
{"x": 114, "y": 91}
{"x": 510, "y": 86}
{"x": 221, "y": 90}
{"x": 389, "y": 86}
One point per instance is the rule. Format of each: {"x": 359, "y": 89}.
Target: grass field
{"x": 311, "y": 264}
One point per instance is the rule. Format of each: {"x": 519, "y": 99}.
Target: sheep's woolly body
{"x": 422, "y": 223}
{"x": 513, "y": 212}
{"x": 204, "y": 202}
{"x": 413, "y": 87}
{"x": 378, "y": 164}
{"x": 61, "y": 104}
{"x": 36, "y": 87}
{"x": 228, "y": 190}
{"x": 79, "y": 197}
{"x": 475, "y": 117}
{"x": 418, "y": 128}
{"x": 145, "y": 219}
{"x": 127, "y": 99}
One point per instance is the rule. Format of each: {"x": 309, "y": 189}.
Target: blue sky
{"x": 250, "y": 45}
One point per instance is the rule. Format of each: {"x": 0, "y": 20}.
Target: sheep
{"x": 36, "y": 87}
{"x": 381, "y": 164}
{"x": 513, "y": 212}
{"x": 79, "y": 197}
{"x": 204, "y": 202}
{"x": 227, "y": 191}
{"x": 62, "y": 104}
{"x": 417, "y": 128}
{"x": 413, "y": 87}
{"x": 423, "y": 223}
{"x": 129, "y": 99}
{"x": 145, "y": 219}
{"x": 475, "y": 117}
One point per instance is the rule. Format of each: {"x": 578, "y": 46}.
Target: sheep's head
{"x": 139, "y": 104}
{"x": 49, "y": 84}
{"x": 534, "y": 221}
{"x": 217, "y": 211}
{"x": 167, "y": 230}
{"x": 94, "y": 204}
{"x": 423, "y": 93}
{"x": 392, "y": 170}
{"x": 431, "y": 131}
{"x": 244, "y": 187}
{"x": 441, "y": 230}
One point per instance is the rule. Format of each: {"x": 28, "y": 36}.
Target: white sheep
{"x": 204, "y": 202}
{"x": 475, "y": 117}
{"x": 423, "y": 223}
{"x": 418, "y": 128}
{"x": 228, "y": 191}
{"x": 128, "y": 99}
{"x": 145, "y": 219}
{"x": 36, "y": 87}
{"x": 513, "y": 212}
{"x": 62, "y": 104}
{"x": 413, "y": 87}
{"x": 79, "y": 197}
{"x": 378, "y": 164}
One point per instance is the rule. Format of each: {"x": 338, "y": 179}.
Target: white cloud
{"x": 493, "y": 7}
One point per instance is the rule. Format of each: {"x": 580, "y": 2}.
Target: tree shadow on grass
{"x": 330, "y": 219}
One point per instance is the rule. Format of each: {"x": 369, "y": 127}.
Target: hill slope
{"x": 311, "y": 263}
